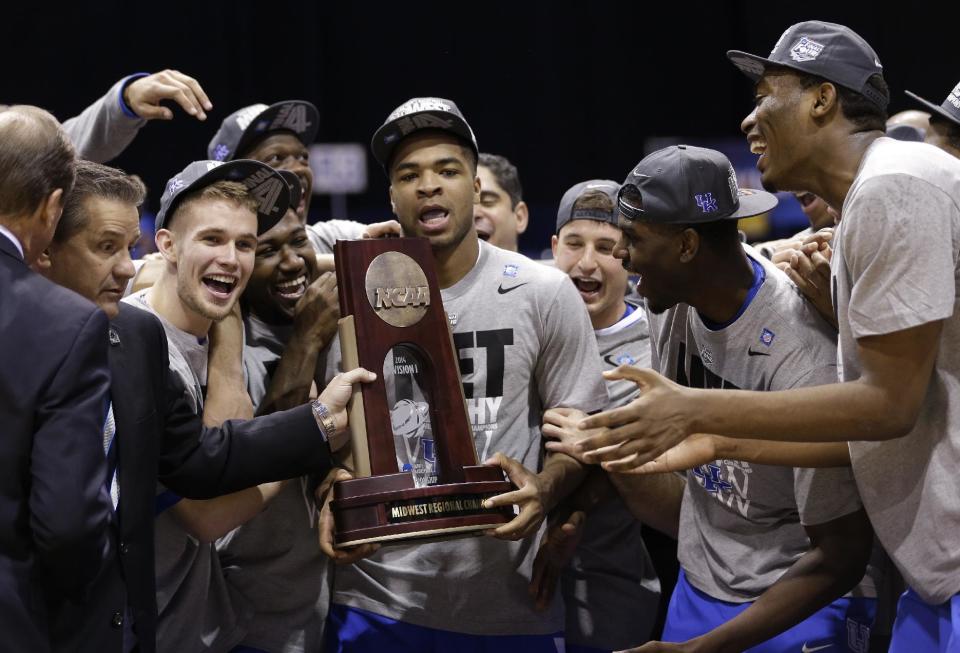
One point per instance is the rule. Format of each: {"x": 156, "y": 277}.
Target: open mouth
{"x": 758, "y": 146}
{"x": 484, "y": 227}
{"x": 434, "y": 218}
{"x": 293, "y": 289}
{"x": 220, "y": 285}
{"x": 588, "y": 287}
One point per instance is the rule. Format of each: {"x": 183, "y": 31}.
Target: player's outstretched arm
{"x": 882, "y": 404}
{"x": 702, "y": 448}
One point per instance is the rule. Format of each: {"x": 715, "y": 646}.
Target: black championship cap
{"x": 683, "y": 184}
{"x": 242, "y": 128}
{"x": 950, "y": 109}
{"x": 568, "y": 213}
{"x": 414, "y": 115}
{"x": 293, "y": 186}
{"x": 264, "y": 183}
{"x": 833, "y": 52}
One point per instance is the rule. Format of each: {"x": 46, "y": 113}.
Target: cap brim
{"x": 294, "y": 186}
{"x": 754, "y": 202}
{"x": 750, "y": 65}
{"x": 933, "y": 107}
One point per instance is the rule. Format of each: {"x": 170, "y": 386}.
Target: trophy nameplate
{"x": 407, "y": 485}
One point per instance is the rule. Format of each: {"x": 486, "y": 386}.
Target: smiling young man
{"x": 818, "y": 126}
{"x": 289, "y": 317}
{"x": 519, "y": 328}
{"x": 610, "y": 589}
{"x": 210, "y": 216}
{"x": 501, "y": 215}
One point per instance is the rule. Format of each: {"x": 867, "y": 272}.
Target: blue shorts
{"x": 350, "y": 630}
{"x": 924, "y": 627}
{"x": 844, "y": 625}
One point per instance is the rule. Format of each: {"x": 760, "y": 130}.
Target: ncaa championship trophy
{"x": 414, "y": 458}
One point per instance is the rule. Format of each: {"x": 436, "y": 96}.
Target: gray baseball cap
{"x": 834, "y": 52}
{"x": 263, "y": 182}
{"x": 683, "y": 184}
{"x": 416, "y": 114}
{"x": 243, "y": 127}
{"x": 568, "y": 213}
{"x": 950, "y": 109}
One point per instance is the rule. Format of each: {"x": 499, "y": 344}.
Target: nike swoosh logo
{"x": 807, "y": 649}
{"x": 504, "y": 291}
{"x": 751, "y": 352}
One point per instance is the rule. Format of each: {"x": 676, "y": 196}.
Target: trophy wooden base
{"x": 391, "y": 508}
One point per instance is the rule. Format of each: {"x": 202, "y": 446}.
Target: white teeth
{"x": 433, "y": 214}
{"x": 222, "y": 278}
{"x": 757, "y": 147}
{"x": 291, "y": 284}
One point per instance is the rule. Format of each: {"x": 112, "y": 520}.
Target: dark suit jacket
{"x": 158, "y": 433}
{"x": 54, "y": 509}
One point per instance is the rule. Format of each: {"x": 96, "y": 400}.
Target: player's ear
{"x": 689, "y": 244}
{"x": 393, "y": 204}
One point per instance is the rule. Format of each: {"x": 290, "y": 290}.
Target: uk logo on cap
{"x": 805, "y": 50}
{"x": 707, "y": 202}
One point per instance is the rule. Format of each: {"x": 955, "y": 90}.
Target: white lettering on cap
{"x": 732, "y": 182}
{"x": 213, "y": 164}
{"x": 806, "y": 49}
{"x": 954, "y": 97}
{"x": 265, "y": 188}
{"x": 292, "y": 117}
{"x": 246, "y": 116}
{"x": 418, "y": 104}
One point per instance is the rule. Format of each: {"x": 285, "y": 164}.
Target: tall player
{"x": 519, "y": 328}
{"x": 818, "y": 125}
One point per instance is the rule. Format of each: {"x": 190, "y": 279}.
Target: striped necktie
{"x": 110, "y": 450}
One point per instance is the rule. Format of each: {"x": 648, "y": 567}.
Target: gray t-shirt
{"x": 894, "y": 267}
{"x": 525, "y": 344}
{"x": 324, "y": 234}
{"x": 273, "y": 560}
{"x": 610, "y": 588}
{"x": 741, "y": 524}
{"x": 197, "y": 610}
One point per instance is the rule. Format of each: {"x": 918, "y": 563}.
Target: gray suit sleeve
{"x": 103, "y": 130}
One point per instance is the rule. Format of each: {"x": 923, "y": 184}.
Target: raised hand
{"x": 144, "y": 95}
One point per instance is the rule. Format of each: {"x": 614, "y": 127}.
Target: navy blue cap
{"x": 265, "y": 184}
{"x": 683, "y": 184}
{"x": 416, "y": 114}
{"x": 833, "y": 52}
